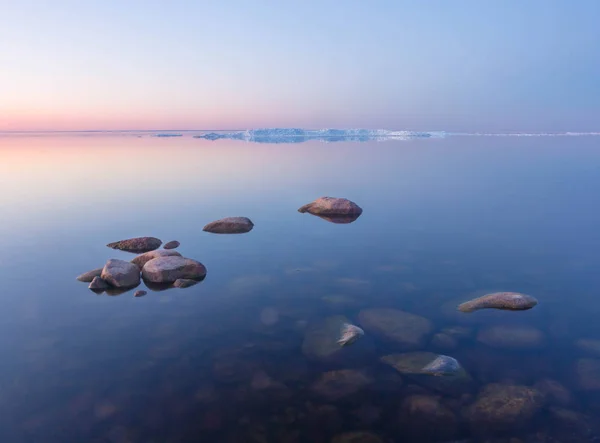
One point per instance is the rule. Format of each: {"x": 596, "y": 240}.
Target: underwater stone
{"x": 230, "y": 225}
{"x": 169, "y": 269}
{"x": 442, "y": 365}
{"x": 349, "y": 334}
{"x": 331, "y": 206}
{"x": 444, "y": 341}
{"x": 425, "y": 418}
{"x": 511, "y": 301}
{"x": 87, "y": 277}
{"x": 334, "y": 385}
{"x": 138, "y": 244}
{"x": 591, "y": 346}
{"x": 587, "y": 371}
{"x": 511, "y": 337}
{"x": 554, "y": 392}
{"x": 142, "y": 259}
{"x": 121, "y": 274}
{"x": 407, "y": 330}
{"x": 173, "y": 244}
{"x": 321, "y": 338}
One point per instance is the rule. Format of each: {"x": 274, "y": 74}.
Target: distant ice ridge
{"x": 297, "y": 135}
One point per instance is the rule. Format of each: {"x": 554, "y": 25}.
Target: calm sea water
{"x": 444, "y": 220}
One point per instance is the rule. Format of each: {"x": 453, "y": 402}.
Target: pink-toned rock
{"x": 171, "y": 245}
{"x": 97, "y": 284}
{"x": 230, "y": 225}
{"x": 142, "y": 259}
{"x": 121, "y": 274}
{"x": 138, "y": 244}
{"x": 331, "y": 206}
{"x": 169, "y": 269}
{"x": 140, "y": 293}
{"x": 87, "y": 277}
{"x": 184, "y": 283}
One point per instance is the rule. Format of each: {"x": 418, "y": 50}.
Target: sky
{"x": 460, "y": 65}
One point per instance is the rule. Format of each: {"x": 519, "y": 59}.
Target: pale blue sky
{"x": 424, "y": 65}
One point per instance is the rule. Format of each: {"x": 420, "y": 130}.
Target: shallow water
{"x": 444, "y": 220}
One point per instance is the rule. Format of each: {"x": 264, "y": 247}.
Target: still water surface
{"x": 227, "y": 361}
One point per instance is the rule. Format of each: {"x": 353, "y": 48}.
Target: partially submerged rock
{"x": 142, "y": 259}
{"x": 332, "y": 207}
{"x": 501, "y": 407}
{"x": 139, "y": 293}
{"x": 173, "y": 244}
{"x": 97, "y": 284}
{"x": 349, "y": 334}
{"x": 588, "y": 345}
{"x": 407, "y": 330}
{"x": 230, "y": 225}
{"x": 169, "y": 269}
{"x": 184, "y": 283}
{"x": 321, "y": 337}
{"x": 511, "y": 337}
{"x": 137, "y": 245}
{"x": 554, "y": 392}
{"x": 511, "y": 301}
{"x": 442, "y": 365}
{"x": 121, "y": 274}
{"x": 334, "y": 385}
{"x": 587, "y": 371}
{"x": 87, "y": 277}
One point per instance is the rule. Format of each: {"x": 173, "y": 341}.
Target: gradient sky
{"x": 498, "y": 65}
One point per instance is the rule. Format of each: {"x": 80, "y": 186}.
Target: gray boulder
{"x": 87, "y": 277}
{"x": 97, "y": 284}
{"x": 230, "y": 225}
{"x": 121, "y": 274}
{"x": 169, "y": 269}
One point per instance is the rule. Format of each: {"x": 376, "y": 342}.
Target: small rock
{"x": 98, "y": 284}
{"x": 184, "y": 283}
{"x": 587, "y": 371}
{"x": 554, "y": 392}
{"x": 230, "y": 225}
{"x": 138, "y": 245}
{"x": 87, "y": 277}
{"x": 349, "y": 334}
{"x": 501, "y": 407}
{"x": 331, "y": 206}
{"x": 589, "y": 345}
{"x": 407, "y": 330}
{"x": 444, "y": 341}
{"x": 442, "y": 365}
{"x": 511, "y": 337}
{"x": 121, "y": 274}
{"x": 357, "y": 437}
{"x": 139, "y": 293}
{"x": 169, "y": 269}
{"x": 334, "y": 385}
{"x": 173, "y": 244}
{"x": 511, "y": 301}
{"x": 142, "y": 259}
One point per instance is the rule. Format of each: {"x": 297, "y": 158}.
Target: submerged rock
{"x": 589, "y": 345}
{"x": 444, "y": 341}
{"x": 587, "y": 371}
{"x": 121, "y": 274}
{"x": 425, "y": 418}
{"x": 334, "y": 385}
{"x": 554, "y": 392}
{"x": 407, "y": 330}
{"x": 511, "y": 337}
{"x": 503, "y": 407}
{"x": 357, "y": 437}
{"x": 458, "y": 332}
{"x": 139, "y": 244}
{"x": 142, "y": 259}
{"x": 139, "y": 293}
{"x": 332, "y": 207}
{"x": 184, "y": 283}
{"x": 349, "y": 334}
{"x": 511, "y": 301}
{"x": 413, "y": 364}
{"x": 230, "y": 225}
{"x": 173, "y": 244}
{"x": 97, "y": 284}
{"x": 169, "y": 269}
{"x": 321, "y": 338}
{"x": 87, "y": 277}
{"x": 442, "y": 365}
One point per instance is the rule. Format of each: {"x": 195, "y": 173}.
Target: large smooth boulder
{"x": 137, "y": 245}
{"x": 405, "y": 329}
{"x": 230, "y": 225}
{"x": 142, "y": 259}
{"x": 120, "y": 274}
{"x": 169, "y": 269}
{"x": 332, "y": 207}
{"x": 334, "y": 385}
{"x": 500, "y": 407}
{"x": 87, "y": 277}
{"x": 511, "y": 337}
